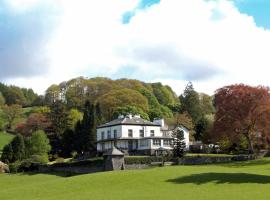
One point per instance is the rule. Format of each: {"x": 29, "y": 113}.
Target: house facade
{"x": 134, "y": 135}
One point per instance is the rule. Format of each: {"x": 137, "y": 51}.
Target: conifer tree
{"x": 179, "y": 144}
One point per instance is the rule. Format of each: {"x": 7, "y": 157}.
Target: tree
{"x": 119, "y": 98}
{"x": 86, "y": 130}
{"x": 203, "y": 128}
{"x": 206, "y": 103}
{"x": 125, "y": 110}
{"x": 2, "y": 99}
{"x": 69, "y": 142}
{"x": 179, "y": 143}
{"x": 35, "y": 121}
{"x": 38, "y": 144}
{"x": 59, "y": 117}
{"x": 191, "y": 103}
{"x": 242, "y": 111}
{"x": 11, "y": 113}
{"x": 7, "y": 154}
{"x": 74, "y": 116}
{"x": 18, "y": 148}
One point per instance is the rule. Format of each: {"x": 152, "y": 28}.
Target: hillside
{"x": 209, "y": 182}
{"x": 149, "y": 99}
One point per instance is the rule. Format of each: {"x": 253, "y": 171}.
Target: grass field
{"x": 243, "y": 180}
{"x": 5, "y": 138}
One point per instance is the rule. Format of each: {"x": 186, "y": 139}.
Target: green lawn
{"x": 235, "y": 181}
{"x": 5, "y": 138}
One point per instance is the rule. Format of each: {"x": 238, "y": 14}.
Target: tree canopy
{"x": 242, "y": 111}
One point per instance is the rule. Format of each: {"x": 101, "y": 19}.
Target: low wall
{"x": 84, "y": 167}
{"x": 203, "y": 160}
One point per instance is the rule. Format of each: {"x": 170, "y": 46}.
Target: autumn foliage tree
{"x": 242, "y": 111}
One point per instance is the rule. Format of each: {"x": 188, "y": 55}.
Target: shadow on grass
{"x": 60, "y": 174}
{"x": 222, "y": 178}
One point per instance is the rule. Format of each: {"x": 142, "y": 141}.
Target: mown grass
{"x": 241, "y": 180}
{"x": 5, "y": 138}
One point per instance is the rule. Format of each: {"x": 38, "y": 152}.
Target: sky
{"x": 211, "y": 43}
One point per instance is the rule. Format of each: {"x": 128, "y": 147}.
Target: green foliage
{"x": 59, "y": 117}
{"x": 18, "y": 148}
{"x": 120, "y": 98}
{"x": 203, "y": 128}
{"x": 69, "y": 141}
{"x": 179, "y": 144}
{"x": 11, "y": 113}
{"x": 206, "y": 102}
{"x": 15, "y": 150}
{"x": 38, "y": 144}
{"x": 74, "y": 116}
{"x": 16, "y": 95}
{"x": 2, "y": 99}
{"x": 191, "y": 103}
{"x": 52, "y": 94}
{"x": 152, "y": 100}
{"x": 5, "y": 138}
{"x": 164, "y": 94}
{"x": 7, "y": 154}
{"x": 130, "y": 110}
{"x": 85, "y": 131}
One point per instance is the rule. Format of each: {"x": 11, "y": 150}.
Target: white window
{"x": 109, "y": 134}
{"x": 143, "y": 143}
{"x": 141, "y": 133}
{"x": 157, "y": 142}
{"x": 152, "y": 133}
{"x": 115, "y": 133}
{"x": 102, "y": 135}
{"x": 130, "y": 133}
{"x": 167, "y": 142}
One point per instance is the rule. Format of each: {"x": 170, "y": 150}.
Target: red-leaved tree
{"x": 242, "y": 111}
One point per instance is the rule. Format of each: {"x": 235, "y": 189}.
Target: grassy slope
{"x": 5, "y": 138}
{"x": 249, "y": 180}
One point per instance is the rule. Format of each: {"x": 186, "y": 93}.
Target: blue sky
{"x": 209, "y": 42}
{"x": 259, "y": 9}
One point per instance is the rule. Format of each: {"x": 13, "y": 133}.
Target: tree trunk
{"x": 250, "y": 144}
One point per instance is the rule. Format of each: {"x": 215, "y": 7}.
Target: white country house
{"x": 134, "y": 135}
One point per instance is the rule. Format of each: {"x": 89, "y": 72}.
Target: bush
{"x": 14, "y": 167}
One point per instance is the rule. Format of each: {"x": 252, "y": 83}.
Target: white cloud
{"x": 208, "y": 42}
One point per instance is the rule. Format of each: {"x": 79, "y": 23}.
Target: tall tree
{"x": 18, "y": 148}
{"x": 179, "y": 143}
{"x": 190, "y": 102}
{"x": 60, "y": 121}
{"x": 59, "y": 117}
{"x": 11, "y": 113}
{"x": 86, "y": 130}
{"x": 38, "y": 144}
{"x": 242, "y": 111}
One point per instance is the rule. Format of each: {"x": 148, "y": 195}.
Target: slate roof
{"x": 129, "y": 121}
{"x": 114, "y": 152}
